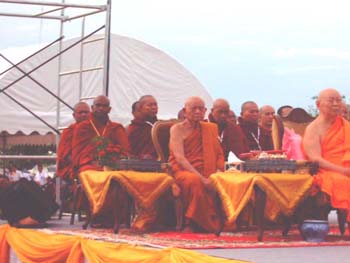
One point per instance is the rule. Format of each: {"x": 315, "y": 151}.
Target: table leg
{"x": 260, "y": 202}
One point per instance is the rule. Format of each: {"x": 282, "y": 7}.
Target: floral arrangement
{"x": 107, "y": 153}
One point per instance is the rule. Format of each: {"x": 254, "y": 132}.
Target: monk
{"x": 139, "y": 131}
{"x": 230, "y": 135}
{"x": 84, "y": 148}
{"x": 195, "y": 154}
{"x": 232, "y": 117}
{"x": 64, "y": 152}
{"x": 258, "y": 138}
{"x": 266, "y": 117}
{"x": 327, "y": 141}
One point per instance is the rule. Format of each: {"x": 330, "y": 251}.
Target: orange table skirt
{"x": 144, "y": 187}
{"x": 283, "y": 191}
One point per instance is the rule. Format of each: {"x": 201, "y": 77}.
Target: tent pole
{"x": 107, "y": 48}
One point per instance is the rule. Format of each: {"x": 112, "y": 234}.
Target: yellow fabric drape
{"x": 36, "y": 246}
{"x": 283, "y": 191}
{"x": 144, "y": 187}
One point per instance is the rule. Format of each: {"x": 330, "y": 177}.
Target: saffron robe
{"x": 335, "y": 148}
{"x": 202, "y": 149}
{"x": 231, "y": 138}
{"x": 256, "y": 135}
{"x": 140, "y": 139}
{"x": 84, "y": 149}
{"x": 64, "y": 153}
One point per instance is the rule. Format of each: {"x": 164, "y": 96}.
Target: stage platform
{"x": 227, "y": 246}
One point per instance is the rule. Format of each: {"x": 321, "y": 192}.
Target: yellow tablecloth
{"x": 283, "y": 191}
{"x": 144, "y": 187}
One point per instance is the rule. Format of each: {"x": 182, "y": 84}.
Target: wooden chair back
{"x": 160, "y": 138}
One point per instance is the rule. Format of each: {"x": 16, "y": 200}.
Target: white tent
{"x": 136, "y": 69}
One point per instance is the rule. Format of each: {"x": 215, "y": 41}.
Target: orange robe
{"x": 64, "y": 153}
{"x": 335, "y": 148}
{"x": 84, "y": 149}
{"x": 141, "y": 145}
{"x": 202, "y": 149}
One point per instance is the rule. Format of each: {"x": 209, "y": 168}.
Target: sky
{"x": 272, "y": 52}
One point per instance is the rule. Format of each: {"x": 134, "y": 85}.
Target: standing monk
{"x": 230, "y": 135}
{"x": 98, "y": 124}
{"x": 139, "y": 131}
{"x": 327, "y": 141}
{"x": 64, "y": 152}
{"x": 195, "y": 154}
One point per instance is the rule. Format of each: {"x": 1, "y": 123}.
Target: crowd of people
{"x": 199, "y": 147}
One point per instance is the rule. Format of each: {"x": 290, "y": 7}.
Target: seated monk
{"x": 327, "y": 141}
{"x": 195, "y": 154}
{"x": 139, "y": 131}
{"x": 84, "y": 146}
{"x": 231, "y": 136}
{"x": 64, "y": 152}
{"x": 98, "y": 124}
{"x": 258, "y": 138}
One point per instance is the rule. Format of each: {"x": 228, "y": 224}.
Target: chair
{"x": 160, "y": 138}
{"x": 298, "y": 119}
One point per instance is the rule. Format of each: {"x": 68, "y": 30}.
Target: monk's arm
{"x": 312, "y": 148}
{"x": 123, "y": 139}
{"x": 177, "y": 145}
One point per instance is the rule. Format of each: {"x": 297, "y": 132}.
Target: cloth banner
{"x": 37, "y": 246}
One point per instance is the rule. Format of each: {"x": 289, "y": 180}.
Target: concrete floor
{"x": 260, "y": 255}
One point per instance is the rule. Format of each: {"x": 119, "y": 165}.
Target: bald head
{"x": 81, "y": 111}
{"x": 194, "y": 109}
{"x": 101, "y": 107}
{"x": 220, "y": 111}
{"x": 266, "y": 116}
{"x": 148, "y": 107}
{"x": 250, "y": 112}
{"x": 329, "y": 103}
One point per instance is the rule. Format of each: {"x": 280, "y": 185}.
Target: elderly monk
{"x": 230, "y": 135}
{"x": 266, "y": 117}
{"x": 257, "y": 137}
{"x": 98, "y": 124}
{"x": 139, "y": 131}
{"x": 195, "y": 154}
{"x": 64, "y": 152}
{"x": 327, "y": 141}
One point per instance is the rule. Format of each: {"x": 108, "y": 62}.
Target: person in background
{"x": 40, "y": 176}
{"x": 231, "y": 117}
{"x": 266, "y": 117}
{"x": 284, "y": 110}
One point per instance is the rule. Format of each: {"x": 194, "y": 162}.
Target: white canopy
{"x": 136, "y": 69}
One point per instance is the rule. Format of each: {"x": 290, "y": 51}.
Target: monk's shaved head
{"x": 220, "y": 111}
{"x": 220, "y": 103}
{"x": 191, "y": 100}
{"x": 101, "y": 99}
{"x": 81, "y": 111}
{"x": 101, "y": 108}
{"x": 195, "y": 109}
{"x": 329, "y": 102}
{"x": 148, "y": 107}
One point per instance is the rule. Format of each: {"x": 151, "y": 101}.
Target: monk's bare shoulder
{"x": 313, "y": 129}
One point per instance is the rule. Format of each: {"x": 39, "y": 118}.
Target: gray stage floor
{"x": 259, "y": 255}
